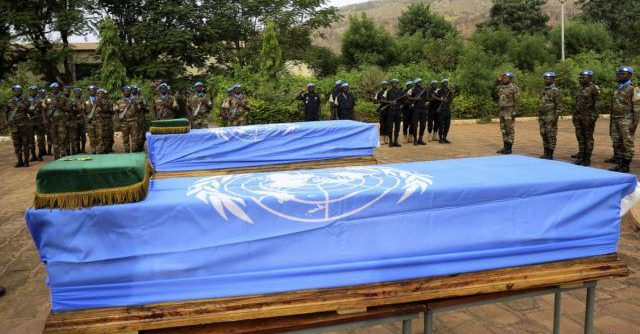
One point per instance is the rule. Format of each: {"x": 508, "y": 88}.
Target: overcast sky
{"x": 340, "y": 3}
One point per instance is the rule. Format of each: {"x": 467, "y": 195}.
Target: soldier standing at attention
{"x": 506, "y": 95}
{"x": 58, "y": 108}
{"x": 165, "y": 104}
{"x": 585, "y": 115}
{"x": 82, "y": 122}
{"x": 74, "y": 117}
{"x": 238, "y": 107}
{"x": 445, "y": 96}
{"x": 432, "y": 114}
{"x": 419, "y": 97}
{"x": 36, "y": 110}
{"x": 103, "y": 123}
{"x": 132, "y": 121}
{"x": 550, "y": 107}
{"x": 225, "y": 105}
{"x": 407, "y": 110}
{"x": 624, "y": 113}
{"x": 311, "y": 101}
{"x": 199, "y": 107}
{"x": 333, "y": 99}
{"x": 89, "y": 106}
{"x": 393, "y": 101}
{"x": 42, "y": 95}
{"x": 20, "y": 125}
{"x": 144, "y": 106}
{"x": 346, "y": 103}
{"x": 383, "y": 111}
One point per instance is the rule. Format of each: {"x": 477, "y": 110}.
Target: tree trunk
{"x": 69, "y": 65}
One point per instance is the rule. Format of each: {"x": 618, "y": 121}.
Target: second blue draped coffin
{"x": 257, "y": 145}
{"x": 243, "y": 234}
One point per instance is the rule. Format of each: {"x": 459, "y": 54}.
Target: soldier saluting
{"x": 165, "y": 105}
{"x": 132, "y": 121}
{"x": 20, "y": 125}
{"x": 199, "y": 107}
{"x": 585, "y": 115}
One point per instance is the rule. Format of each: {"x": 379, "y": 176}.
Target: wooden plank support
{"x": 318, "y": 164}
{"x": 221, "y": 310}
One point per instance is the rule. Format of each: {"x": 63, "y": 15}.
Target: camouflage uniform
{"x": 58, "y": 109}
{"x": 103, "y": 125}
{"x": 624, "y": 113}
{"x": 90, "y": 106}
{"x": 585, "y": 115}
{"x": 235, "y": 114}
{"x": 507, "y": 98}
{"x": 198, "y": 110}
{"x": 18, "y": 119}
{"x": 74, "y": 114}
{"x": 550, "y": 108}
{"x": 132, "y": 123}
{"x": 165, "y": 106}
{"x": 36, "y": 109}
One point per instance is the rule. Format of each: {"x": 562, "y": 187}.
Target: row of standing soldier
{"x": 59, "y": 122}
{"x": 625, "y": 114}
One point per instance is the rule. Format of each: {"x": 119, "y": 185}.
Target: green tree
{"x": 529, "y": 51}
{"x": 582, "y": 37}
{"x": 473, "y": 75}
{"x": 418, "y": 19}
{"x": 495, "y": 41}
{"x": 271, "y": 54}
{"x": 620, "y": 17}
{"x": 521, "y": 16}
{"x": 112, "y": 73}
{"x": 322, "y": 60}
{"x": 365, "y": 42}
{"x": 444, "y": 54}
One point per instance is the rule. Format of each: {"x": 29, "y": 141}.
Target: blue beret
{"x": 586, "y": 73}
{"x": 125, "y": 88}
{"x": 417, "y": 80}
{"x": 198, "y": 84}
{"x": 135, "y": 87}
{"x": 16, "y": 87}
{"x": 395, "y": 80}
{"x": 384, "y": 82}
{"x": 77, "y": 89}
{"x": 311, "y": 84}
{"x": 625, "y": 69}
{"x": 408, "y": 83}
{"x": 164, "y": 84}
{"x": 434, "y": 81}
{"x": 444, "y": 80}
{"x": 549, "y": 75}
{"x": 339, "y": 82}
{"x": 508, "y": 74}
{"x": 92, "y": 87}
{"x": 344, "y": 84}
{"x": 54, "y": 85}
{"x": 33, "y": 87}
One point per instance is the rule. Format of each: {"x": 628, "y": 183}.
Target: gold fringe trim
{"x": 157, "y": 130}
{"x": 83, "y": 199}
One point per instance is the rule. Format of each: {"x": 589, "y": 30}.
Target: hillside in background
{"x": 465, "y": 14}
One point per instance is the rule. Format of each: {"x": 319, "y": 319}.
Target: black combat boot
{"x": 617, "y": 167}
{"x": 421, "y": 142}
{"x": 613, "y": 160}
{"x": 545, "y": 155}
{"x": 2, "y": 291}
{"x": 577, "y": 155}
{"x": 20, "y": 162}
{"x": 586, "y": 160}
{"x": 34, "y": 157}
{"x": 49, "y": 150}
{"x": 508, "y": 148}
{"x": 550, "y": 154}
{"x": 26, "y": 159}
{"x": 40, "y": 154}
{"x": 415, "y": 140}
{"x": 503, "y": 150}
{"x": 624, "y": 166}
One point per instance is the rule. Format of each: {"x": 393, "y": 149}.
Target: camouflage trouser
{"x": 72, "y": 128}
{"x": 634, "y": 124}
{"x": 39, "y": 131}
{"x": 506, "y": 124}
{"x": 22, "y": 136}
{"x": 199, "y": 123}
{"x": 60, "y": 133}
{"x": 132, "y": 135}
{"x": 104, "y": 135}
{"x": 585, "y": 126}
{"x": 622, "y": 137}
{"x": 548, "y": 131}
{"x": 82, "y": 136}
{"x": 238, "y": 120}
{"x": 91, "y": 133}
{"x": 50, "y": 133}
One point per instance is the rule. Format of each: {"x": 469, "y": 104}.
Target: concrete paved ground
{"x": 25, "y": 307}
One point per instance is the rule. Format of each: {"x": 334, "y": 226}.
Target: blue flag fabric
{"x": 257, "y": 145}
{"x": 243, "y": 234}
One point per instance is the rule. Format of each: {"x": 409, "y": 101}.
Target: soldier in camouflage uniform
{"x": 506, "y": 95}
{"x": 550, "y": 107}
{"x": 238, "y": 108}
{"x": 42, "y": 95}
{"x": 165, "y": 104}
{"x": 89, "y": 107}
{"x": 132, "y": 121}
{"x": 103, "y": 123}
{"x": 624, "y": 117}
{"x": 199, "y": 107}
{"x": 144, "y": 106}
{"x": 36, "y": 110}
{"x": 74, "y": 114}
{"x": 81, "y": 127}
{"x": 19, "y": 122}
{"x": 585, "y": 115}
{"x": 58, "y": 108}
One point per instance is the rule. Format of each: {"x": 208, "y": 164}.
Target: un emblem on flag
{"x": 253, "y": 133}
{"x": 308, "y": 196}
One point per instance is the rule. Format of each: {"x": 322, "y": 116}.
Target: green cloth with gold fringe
{"x": 169, "y": 126}
{"x": 87, "y": 180}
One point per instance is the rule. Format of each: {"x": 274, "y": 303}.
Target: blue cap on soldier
{"x": 125, "y": 88}
{"x": 164, "y": 84}
{"x": 54, "y": 85}
{"x": 33, "y": 87}
{"x": 198, "y": 84}
{"x": 417, "y": 81}
{"x": 508, "y": 74}
{"x": 549, "y": 75}
{"x": 625, "y": 69}
{"x": 586, "y": 73}
{"x": 384, "y": 82}
{"x": 135, "y": 87}
{"x": 444, "y": 80}
{"x": 16, "y": 87}
{"x": 311, "y": 84}
{"x": 409, "y": 83}
{"x": 394, "y": 80}
{"x": 65, "y": 88}
{"x": 339, "y": 82}
{"x": 434, "y": 81}
{"x": 77, "y": 90}
{"x": 345, "y": 85}
{"x": 92, "y": 87}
